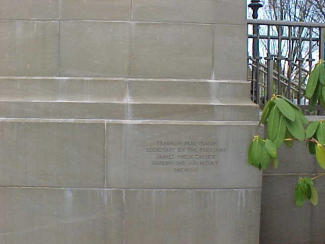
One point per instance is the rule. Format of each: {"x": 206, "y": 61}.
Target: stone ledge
{"x": 119, "y": 90}
{"x": 122, "y": 111}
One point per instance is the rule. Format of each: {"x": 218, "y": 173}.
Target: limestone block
{"x": 62, "y": 89}
{"x": 194, "y": 112}
{"x": 318, "y": 215}
{"x": 294, "y": 160}
{"x": 96, "y": 10}
{"x": 65, "y": 216}
{"x": 204, "y": 11}
{"x": 171, "y": 51}
{"x": 189, "y": 91}
{"x": 120, "y": 111}
{"x": 230, "y": 52}
{"x": 29, "y": 9}
{"x": 94, "y": 49}
{"x": 52, "y": 154}
{"x": 63, "y": 110}
{"x": 192, "y": 216}
{"x": 29, "y": 48}
{"x": 162, "y": 155}
{"x": 281, "y": 221}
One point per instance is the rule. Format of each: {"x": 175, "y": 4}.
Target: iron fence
{"x": 280, "y": 56}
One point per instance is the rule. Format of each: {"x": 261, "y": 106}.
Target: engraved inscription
{"x": 184, "y": 156}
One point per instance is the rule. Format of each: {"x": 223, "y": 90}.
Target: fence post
{"x": 270, "y": 70}
{"x": 255, "y": 5}
{"x": 322, "y": 43}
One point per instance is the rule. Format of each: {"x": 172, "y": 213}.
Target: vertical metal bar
{"x": 322, "y": 43}
{"x": 310, "y": 52}
{"x": 269, "y": 79}
{"x": 279, "y": 59}
{"x": 269, "y": 41}
{"x": 270, "y": 67}
{"x": 290, "y": 59}
{"x": 257, "y": 75}
{"x": 264, "y": 79}
{"x": 300, "y": 60}
{"x": 256, "y": 60}
{"x": 258, "y": 80}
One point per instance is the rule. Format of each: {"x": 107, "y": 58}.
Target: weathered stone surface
{"x": 318, "y": 215}
{"x": 115, "y": 91}
{"x": 29, "y": 9}
{"x": 196, "y": 112}
{"x": 294, "y": 160}
{"x": 281, "y": 221}
{"x": 189, "y": 91}
{"x": 52, "y": 154}
{"x": 120, "y": 111}
{"x": 204, "y": 11}
{"x": 171, "y": 51}
{"x": 192, "y": 216}
{"x": 29, "y": 48}
{"x": 95, "y": 10}
{"x": 179, "y": 156}
{"x": 63, "y": 110}
{"x": 165, "y": 91}
{"x": 94, "y": 49}
{"x": 230, "y": 52}
{"x": 62, "y": 89}
{"x": 65, "y": 216}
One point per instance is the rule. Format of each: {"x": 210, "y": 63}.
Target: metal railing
{"x": 280, "y": 56}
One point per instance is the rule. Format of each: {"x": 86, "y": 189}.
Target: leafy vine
{"x": 286, "y": 123}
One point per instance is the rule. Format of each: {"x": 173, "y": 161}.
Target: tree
{"x": 293, "y": 58}
{"x": 295, "y": 10}
{"x": 285, "y": 123}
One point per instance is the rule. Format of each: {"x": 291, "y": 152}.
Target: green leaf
{"x": 281, "y": 132}
{"x": 302, "y": 117}
{"x": 299, "y": 195}
{"x": 321, "y": 98}
{"x": 312, "y": 148}
{"x": 315, "y": 97}
{"x": 273, "y": 123}
{"x": 312, "y": 82}
{"x": 266, "y": 111}
{"x": 314, "y": 196}
{"x": 321, "y": 74}
{"x": 285, "y": 109}
{"x": 309, "y": 181}
{"x": 307, "y": 189}
{"x": 321, "y": 133}
{"x": 323, "y": 93}
{"x": 291, "y": 103}
{"x": 249, "y": 154}
{"x": 320, "y": 155}
{"x": 311, "y": 129}
{"x": 256, "y": 153}
{"x": 265, "y": 158}
{"x": 296, "y": 129}
{"x": 271, "y": 149}
{"x": 275, "y": 162}
{"x": 288, "y": 143}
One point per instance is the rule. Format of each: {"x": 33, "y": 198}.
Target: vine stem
{"x": 318, "y": 176}
{"x": 306, "y": 140}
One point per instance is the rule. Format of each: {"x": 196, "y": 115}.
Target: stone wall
{"x": 125, "y": 122}
{"x": 281, "y": 221}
